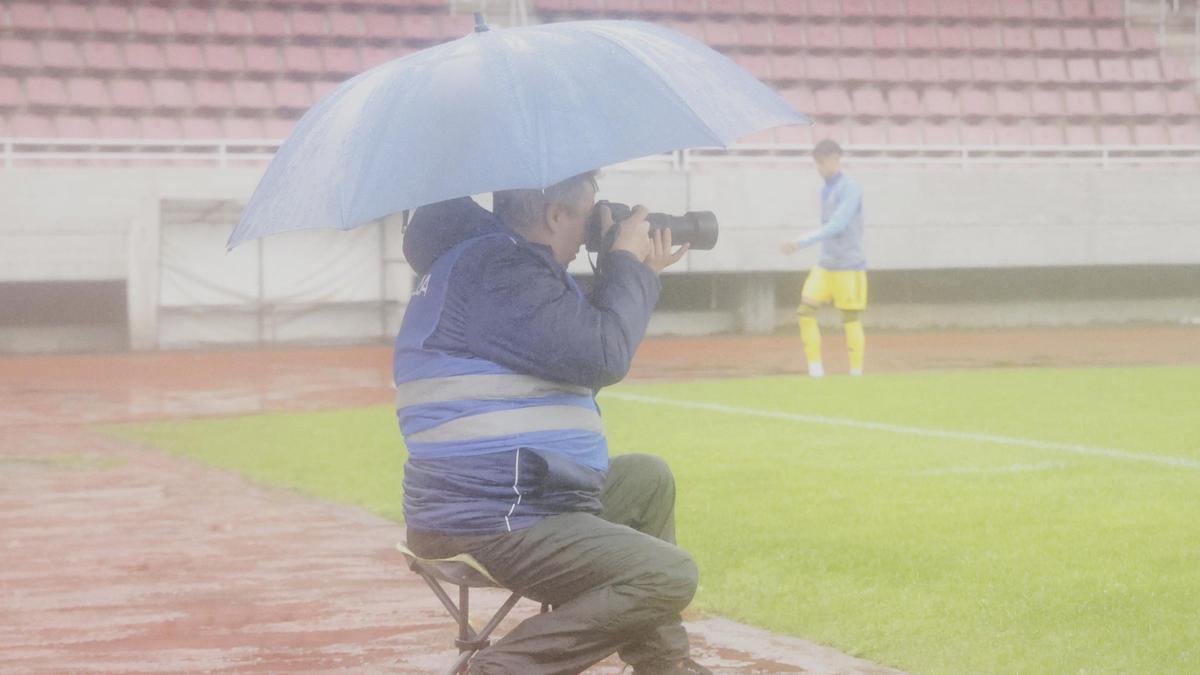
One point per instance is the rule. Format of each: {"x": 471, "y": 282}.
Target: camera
{"x": 698, "y": 228}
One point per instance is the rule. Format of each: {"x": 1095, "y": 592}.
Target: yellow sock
{"x": 810, "y": 334}
{"x": 856, "y": 343}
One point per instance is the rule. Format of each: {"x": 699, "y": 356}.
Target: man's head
{"x": 556, "y": 216}
{"x": 828, "y": 156}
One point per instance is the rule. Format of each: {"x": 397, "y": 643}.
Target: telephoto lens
{"x": 698, "y": 228}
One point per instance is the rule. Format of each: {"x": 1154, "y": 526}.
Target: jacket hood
{"x": 439, "y": 227}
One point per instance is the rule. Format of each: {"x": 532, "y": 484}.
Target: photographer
{"x": 496, "y": 366}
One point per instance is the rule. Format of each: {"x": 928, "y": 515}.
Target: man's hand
{"x": 660, "y": 256}
{"x": 633, "y": 234}
{"x": 789, "y": 247}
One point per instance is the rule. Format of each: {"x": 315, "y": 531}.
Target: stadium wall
{"x": 71, "y": 232}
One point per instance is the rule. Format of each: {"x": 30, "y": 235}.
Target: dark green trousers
{"x": 617, "y": 581}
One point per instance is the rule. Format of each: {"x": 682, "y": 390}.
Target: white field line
{"x": 990, "y": 470}
{"x": 1088, "y": 450}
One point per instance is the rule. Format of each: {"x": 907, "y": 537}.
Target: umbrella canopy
{"x": 504, "y": 109}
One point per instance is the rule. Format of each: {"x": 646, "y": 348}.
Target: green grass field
{"x": 1037, "y": 552}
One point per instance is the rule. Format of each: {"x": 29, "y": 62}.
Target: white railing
{"x": 217, "y": 153}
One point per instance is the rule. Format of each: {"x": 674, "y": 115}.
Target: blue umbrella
{"x": 504, "y": 109}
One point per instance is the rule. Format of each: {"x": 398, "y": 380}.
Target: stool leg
{"x": 464, "y": 619}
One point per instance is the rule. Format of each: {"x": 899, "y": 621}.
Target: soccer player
{"x": 840, "y": 276}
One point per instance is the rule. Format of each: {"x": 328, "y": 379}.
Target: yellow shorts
{"x": 846, "y": 289}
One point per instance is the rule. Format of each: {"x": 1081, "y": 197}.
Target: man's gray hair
{"x": 520, "y": 209}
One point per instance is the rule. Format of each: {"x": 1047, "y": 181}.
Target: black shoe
{"x": 684, "y": 667}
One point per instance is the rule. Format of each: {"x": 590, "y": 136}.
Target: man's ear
{"x": 558, "y": 216}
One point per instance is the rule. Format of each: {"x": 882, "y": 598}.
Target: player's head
{"x": 828, "y": 156}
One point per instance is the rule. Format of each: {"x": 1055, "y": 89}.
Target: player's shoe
{"x": 856, "y": 372}
{"x": 815, "y": 369}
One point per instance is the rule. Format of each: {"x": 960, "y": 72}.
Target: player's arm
{"x": 849, "y": 202}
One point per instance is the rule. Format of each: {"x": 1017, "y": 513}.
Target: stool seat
{"x": 460, "y": 570}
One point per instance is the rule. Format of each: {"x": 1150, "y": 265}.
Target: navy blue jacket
{"x": 510, "y": 302}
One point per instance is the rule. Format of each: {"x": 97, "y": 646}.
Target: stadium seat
{"x": 374, "y": 56}
{"x": 160, "y": 128}
{"x": 29, "y": 16}
{"x": 12, "y": 95}
{"x": 904, "y": 134}
{"x": 1077, "y": 10}
{"x": 263, "y": 59}
{"x": 129, "y": 93}
{"x": 1081, "y": 135}
{"x": 231, "y": 22}
{"x": 954, "y": 38}
{"x": 291, "y": 94}
{"x": 75, "y": 126}
{"x": 1150, "y": 102}
{"x": 1047, "y": 103}
{"x": 953, "y": 9}
{"x": 321, "y": 88}
{"x": 19, "y": 53}
{"x": 192, "y": 21}
{"x": 857, "y": 36}
{"x": 977, "y": 102}
{"x": 1082, "y": 70}
{"x": 922, "y": 9}
{"x": 754, "y": 34}
{"x": 1013, "y": 135}
{"x": 984, "y": 9}
{"x": 252, "y": 94}
{"x": 921, "y": 37}
{"x": 1145, "y": 69}
{"x": 32, "y": 126}
{"x": 833, "y": 102}
{"x": 72, "y": 18}
{"x": 345, "y": 24}
{"x": 389, "y": 26}
{"x": 890, "y": 69}
{"x": 151, "y": 20}
{"x": 302, "y": 59}
{"x": 183, "y": 56}
{"x": 856, "y": 69}
{"x": 758, "y": 65}
{"x": 420, "y": 27}
{"x": 822, "y": 69}
{"x": 821, "y": 36}
{"x": 923, "y": 69}
{"x": 955, "y": 69}
{"x": 1045, "y": 10}
{"x": 200, "y": 128}
{"x": 170, "y": 94}
{"x": 868, "y": 102}
{"x": 794, "y": 134}
{"x": 1016, "y": 9}
{"x": 100, "y": 55}
{"x": 1047, "y": 39}
{"x": 1046, "y": 134}
{"x": 941, "y": 134}
{"x": 1109, "y": 9}
{"x": 224, "y": 58}
{"x": 60, "y": 54}
{"x": 308, "y": 24}
{"x": 1020, "y": 69}
{"x": 1077, "y": 39}
{"x": 1141, "y": 40}
{"x": 1184, "y": 134}
{"x": 985, "y": 38}
{"x": 868, "y": 134}
{"x": 940, "y": 103}
{"x": 904, "y": 102}
{"x": 1115, "y": 134}
{"x": 763, "y": 8}
{"x": 1110, "y": 39}
{"x": 341, "y": 60}
{"x": 112, "y": 19}
{"x": 987, "y": 69}
{"x": 1176, "y": 70}
{"x": 1114, "y": 69}
{"x": 1051, "y": 70}
{"x": 278, "y": 128}
{"x": 1183, "y": 102}
{"x": 977, "y": 135}
{"x": 113, "y": 127}
{"x": 143, "y": 56}
{"x": 857, "y": 9}
{"x": 269, "y": 23}
{"x": 1080, "y": 102}
{"x": 1012, "y": 103}
{"x": 888, "y": 37}
{"x": 241, "y": 128}
{"x": 801, "y": 98}
{"x": 787, "y": 67}
{"x": 791, "y": 8}
{"x": 719, "y": 34}
{"x": 717, "y": 7}
{"x": 212, "y": 94}
{"x": 1115, "y": 102}
{"x": 1150, "y": 134}
{"x": 824, "y": 8}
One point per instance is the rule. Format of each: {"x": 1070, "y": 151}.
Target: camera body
{"x": 698, "y": 228}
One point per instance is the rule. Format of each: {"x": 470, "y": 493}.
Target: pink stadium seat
{"x": 857, "y": 36}
{"x": 904, "y": 102}
{"x": 791, "y": 8}
{"x": 922, "y": 37}
{"x": 1021, "y": 69}
{"x": 1077, "y": 10}
{"x": 1082, "y": 70}
{"x": 215, "y": 94}
{"x": 170, "y": 94}
{"x": 75, "y": 126}
{"x": 857, "y": 9}
{"x": 321, "y": 88}
{"x": 241, "y": 128}
{"x": 889, "y": 37}
{"x": 278, "y": 128}
{"x": 856, "y": 68}
{"x": 787, "y": 66}
{"x": 1110, "y": 39}
{"x": 388, "y": 25}
{"x": 954, "y": 9}
{"x": 1114, "y": 70}
{"x": 940, "y": 134}
{"x": 60, "y": 54}
{"x": 1080, "y": 102}
{"x": 224, "y": 58}
{"x": 11, "y": 93}
{"x": 1047, "y": 39}
{"x": 127, "y": 93}
{"x": 192, "y": 21}
{"x": 868, "y": 102}
{"x": 1149, "y": 102}
{"x": 32, "y": 126}
{"x": 755, "y": 34}
{"x": 143, "y": 56}
{"x": 891, "y": 9}
{"x": 868, "y": 134}
{"x": 29, "y": 16}
{"x": 72, "y": 18}
{"x": 794, "y": 134}
{"x": 1078, "y": 39}
{"x": 890, "y": 69}
{"x": 269, "y": 23}
{"x": 1013, "y": 135}
{"x": 983, "y": 9}
{"x": 954, "y": 38}
{"x": 1150, "y": 134}
{"x": 759, "y": 65}
{"x": 721, "y": 34}
{"x": 184, "y": 56}
{"x": 1184, "y": 134}
{"x": 1017, "y": 38}
{"x": 925, "y": 9}
{"x": 18, "y": 53}
{"x": 341, "y": 60}
{"x": 252, "y": 94}
{"x": 759, "y": 8}
{"x": 1046, "y": 134}
{"x": 302, "y": 59}
{"x": 292, "y": 94}
{"x": 923, "y": 69}
{"x": 161, "y": 128}
{"x": 985, "y": 37}
{"x": 955, "y": 69}
{"x": 263, "y": 59}
{"x": 587, "y": 6}
{"x": 766, "y": 137}
{"x": 833, "y": 103}
{"x": 1176, "y": 70}
{"x": 1183, "y": 102}
{"x": 113, "y": 127}
{"x": 200, "y": 128}
{"x": 655, "y": 6}
{"x": 1051, "y": 70}
{"x": 1141, "y": 39}
{"x": 1081, "y": 135}
{"x": 345, "y": 24}
{"x": 309, "y": 24}
{"x": 112, "y": 19}
{"x": 1016, "y": 9}
{"x": 904, "y": 134}
{"x": 824, "y": 8}
{"x": 821, "y": 36}
{"x": 233, "y": 22}
{"x": 421, "y": 27}
{"x": 87, "y": 92}
{"x": 987, "y": 69}
{"x": 977, "y": 102}
{"x": 1115, "y": 102}
{"x": 1047, "y": 103}
{"x": 977, "y": 135}
{"x": 801, "y": 98}
{"x": 1012, "y": 103}
{"x": 940, "y": 103}
{"x": 99, "y": 55}
{"x": 833, "y": 132}
{"x": 822, "y": 68}
{"x": 152, "y": 20}
{"x": 1109, "y": 9}
{"x": 1115, "y": 134}
{"x": 720, "y": 7}
{"x": 373, "y": 56}
{"x": 1145, "y": 69}
{"x": 1045, "y": 9}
